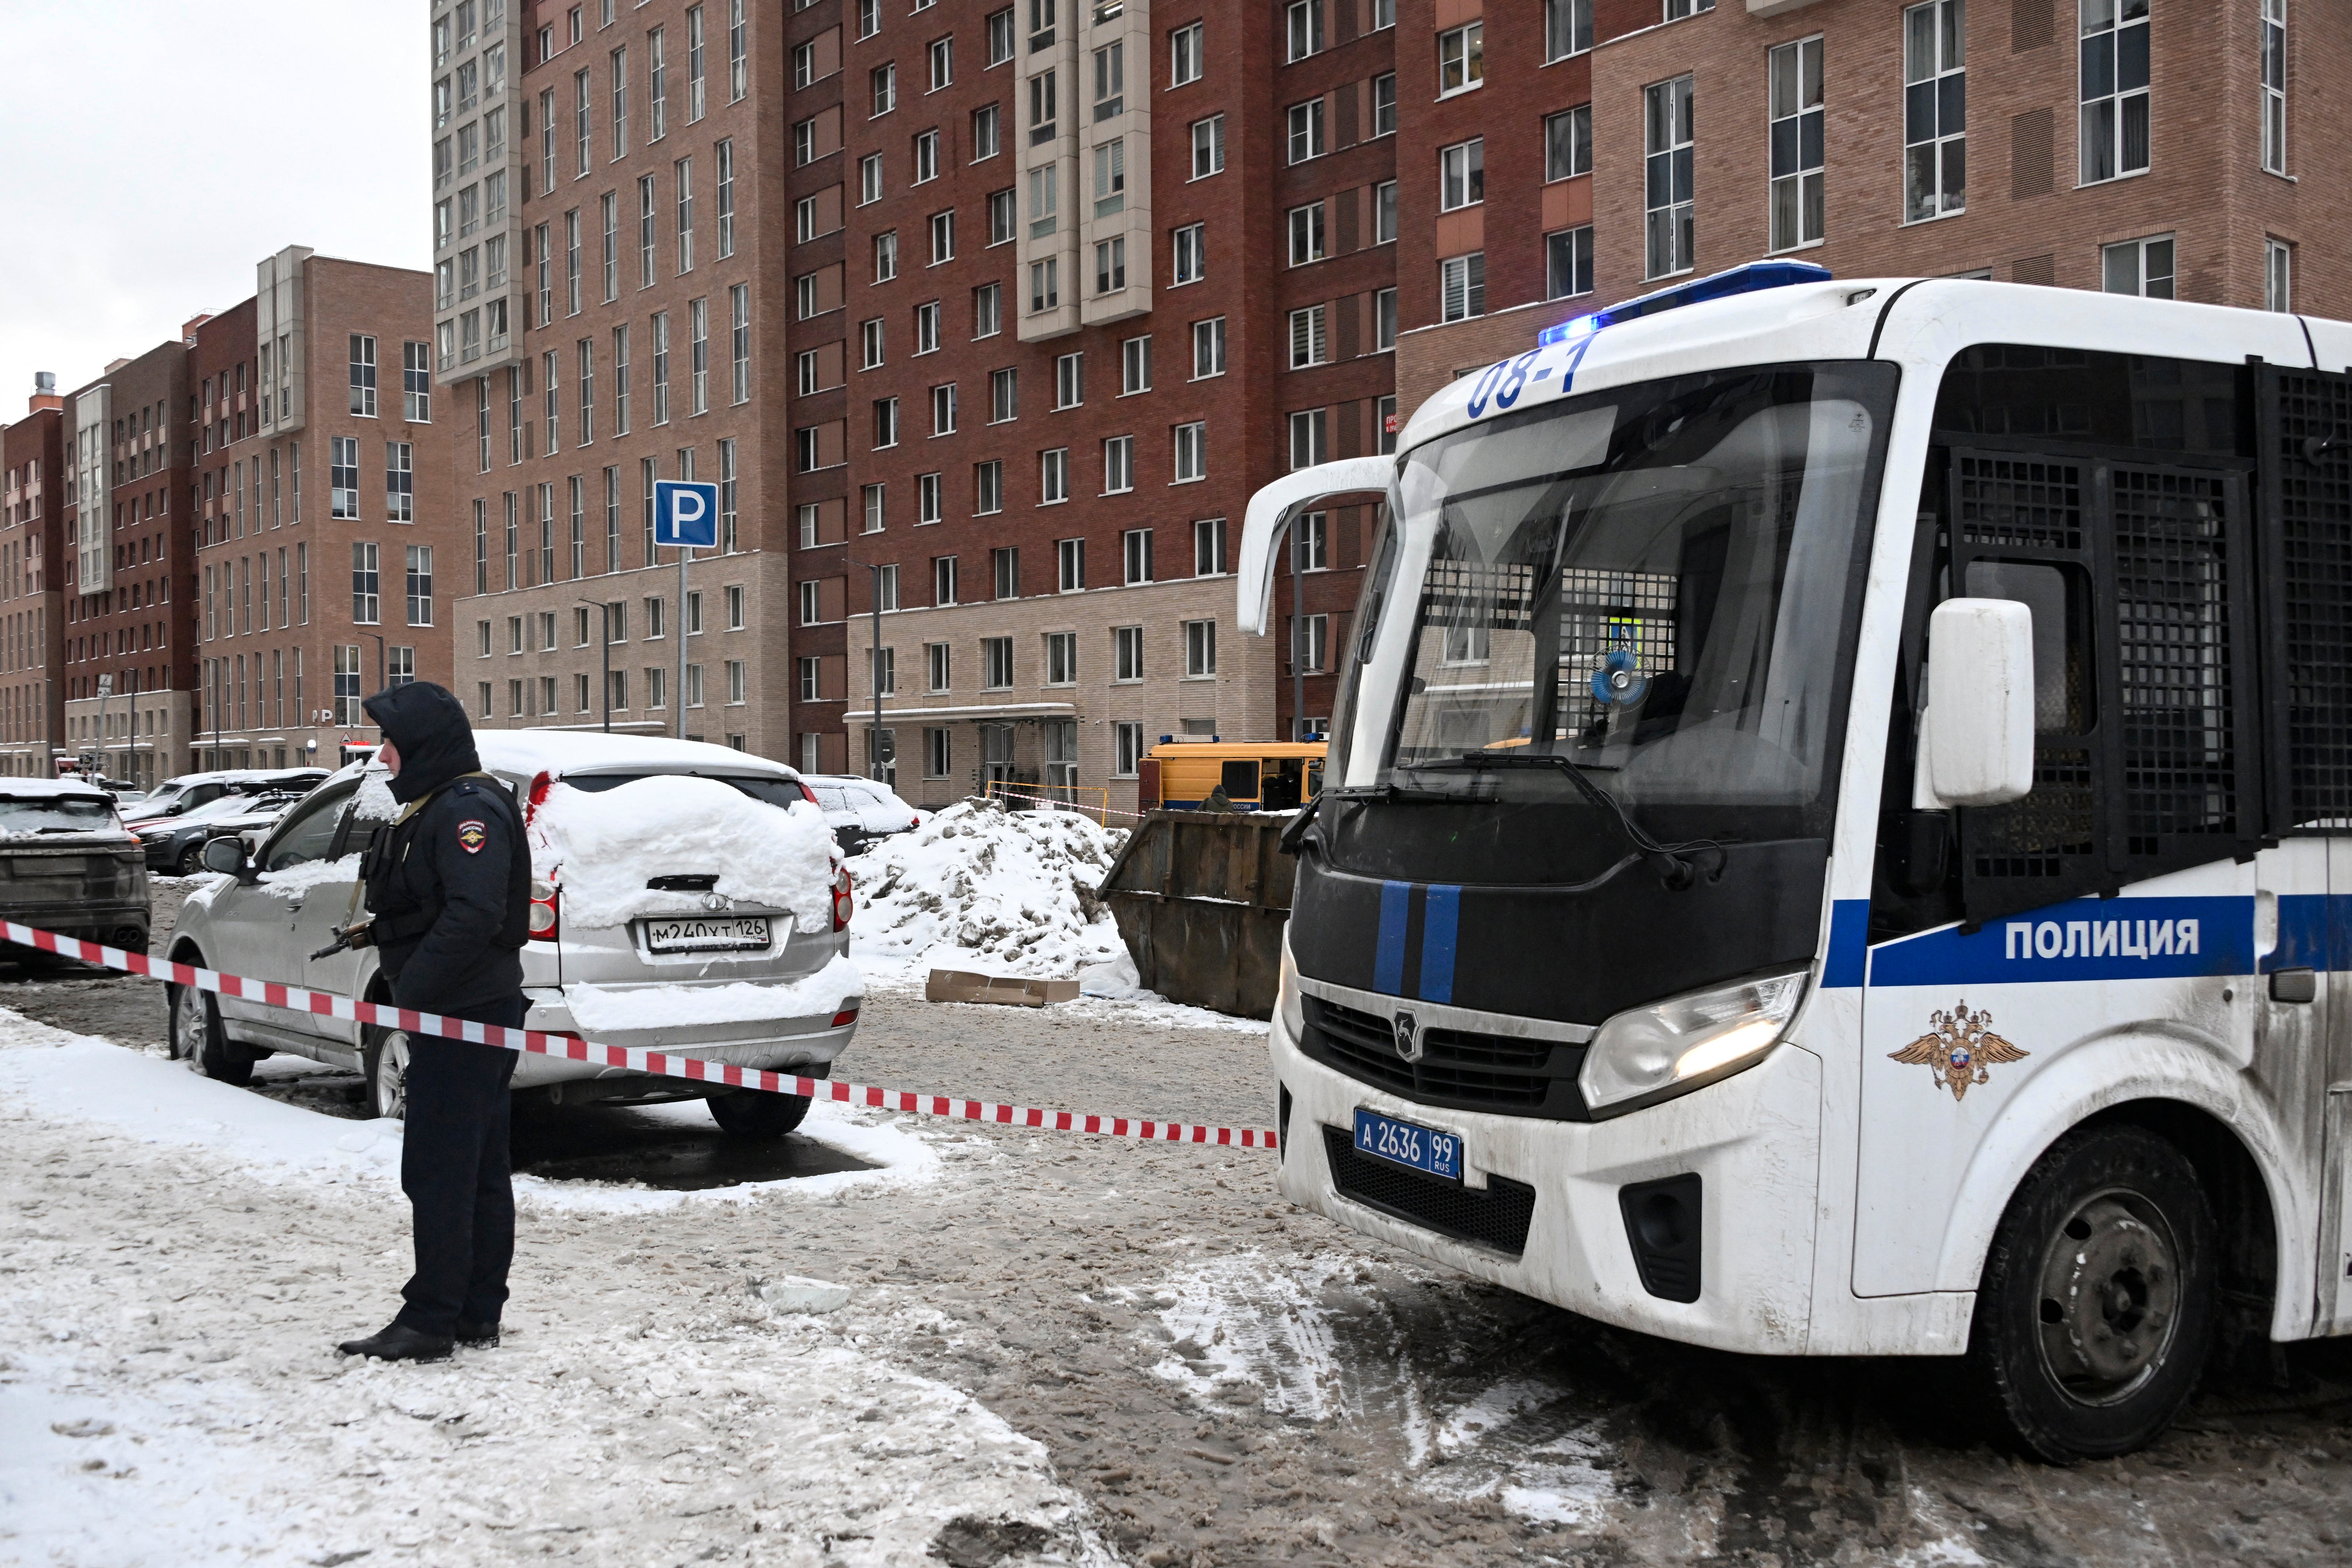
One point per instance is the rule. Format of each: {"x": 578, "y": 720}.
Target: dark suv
{"x": 71, "y": 867}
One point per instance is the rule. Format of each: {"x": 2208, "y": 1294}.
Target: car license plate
{"x": 734, "y": 933}
{"x": 1403, "y": 1143}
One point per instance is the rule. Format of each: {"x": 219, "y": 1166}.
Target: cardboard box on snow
{"x": 964, "y": 985}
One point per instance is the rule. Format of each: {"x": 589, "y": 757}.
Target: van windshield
{"x": 1655, "y": 585}
{"x": 759, "y": 787}
{"x": 55, "y": 814}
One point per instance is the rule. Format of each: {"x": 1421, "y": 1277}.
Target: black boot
{"x": 477, "y": 1336}
{"x": 397, "y": 1342}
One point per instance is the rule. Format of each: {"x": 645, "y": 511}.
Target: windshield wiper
{"x": 1671, "y": 861}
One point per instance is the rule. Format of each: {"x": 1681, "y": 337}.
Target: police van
{"x": 1838, "y": 835}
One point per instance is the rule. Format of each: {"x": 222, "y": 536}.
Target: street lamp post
{"x": 606, "y": 611}
{"x": 873, "y": 667}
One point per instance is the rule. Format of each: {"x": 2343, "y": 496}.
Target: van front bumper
{"x": 1753, "y": 1140}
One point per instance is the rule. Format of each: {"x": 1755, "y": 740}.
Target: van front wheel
{"x": 2097, "y": 1305}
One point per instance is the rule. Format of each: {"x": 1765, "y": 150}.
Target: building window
{"x": 987, "y": 310}
{"x": 1384, "y": 104}
{"x": 2274, "y": 90}
{"x": 1118, "y": 465}
{"x": 1053, "y": 476}
{"x": 1461, "y": 58}
{"x": 1192, "y": 253}
{"x": 2113, "y": 65}
{"x": 938, "y": 665}
{"x": 1304, "y": 29}
{"x": 1135, "y": 556}
{"x": 1308, "y": 428}
{"x": 1309, "y": 345}
{"x": 886, "y": 423}
{"x": 1306, "y": 226}
{"x": 884, "y": 80}
{"x": 987, "y": 487}
{"x": 1127, "y": 748}
{"x": 344, "y": 476}
{"x": 1208, "y": 147}
{"x": 740, "y": 306}
{"x": 2142, "y": 267}
{"x": 942, "y": 63}
{"x": 1935, "y": 111}
{"x": 362, "y": 376}
{"x": 943, "y": 232}
{"x": 2278, "y": 275}
{"x": 927, "y": 157}
{"x": 1568, "y": 262}
{"x": 1678, "y": 9}
{"x": 1794, "y": 131}
{"x": 885, "y": 256}
{"x": 1385, "y": 410}
{"x": 1003, "y": 395}
{"x": 1461, "y": 175}
{"x": 937, "y": 752}
{"x": 930, "y": 500}
{"x": 1110, "y": 266}
{"x": 1192, "y": 460}
{"x": 1667, "y": 177}
{"x": 1462, "y": 287}
{"x": 873, "y": 502}
{"x": 943, "y": 409}
{"x": 1070, "y": 565}
{"x": 367, "y": 585}
{"x": 1568, "y": 29}
{"x": 1045, "y": 284}
{"x": 1127, "y": 653}
{"x": 1306, "y": 131}
{"x": 399, "y": 481}
{"x": 996, "y": 663}
{"x": 1184, "y": 46}
{"x": 1568, "y": 144}
{"x": 420, "y": 585}
{"x": 1199, "y": 650}
{"x": 1061, "y": 658}
{"x": 1069, "y": 380}
{"x": 986, "y": 142}
{"x": 1209, "y": 347}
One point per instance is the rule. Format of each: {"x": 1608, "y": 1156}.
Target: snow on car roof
{"x": 561, "y": 751}
{"x": 45, "y": 789}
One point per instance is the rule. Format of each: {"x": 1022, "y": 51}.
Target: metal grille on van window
{"x": 2307, "y": 481}
{"x": 1470, "y": 594}
{"x": 2173, "y": 657}
{"x": 2019, "y": 501}
{"x": 1603, "y": 611}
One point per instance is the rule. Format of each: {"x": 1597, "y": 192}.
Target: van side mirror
{"x": 1976, "y": 740}
{"x": 225, "y": 855}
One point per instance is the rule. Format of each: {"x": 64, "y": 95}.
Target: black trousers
{"x": 453, "y": 1168}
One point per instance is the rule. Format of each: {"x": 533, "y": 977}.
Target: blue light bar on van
{"x": 1748, "y": 279}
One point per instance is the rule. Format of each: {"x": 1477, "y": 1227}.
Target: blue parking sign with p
{"x": 686, "y": 512}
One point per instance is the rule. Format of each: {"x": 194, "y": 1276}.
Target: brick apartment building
{"x": 32, "y": 538}
{"x": 1070, "y": 282}
{"x": 2157, "y": 146}
{"x": 990, "y": 320}
{"x": 320, "y": 511}
{"x": 610, "y": 149}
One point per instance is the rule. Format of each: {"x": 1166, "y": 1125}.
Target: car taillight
{"x": 846, "y": 1016}
{"x": 543, "y": 899}
{"x": 843, "y": 905}
{"x": 539, "y": 788}
{"x": 809, "y": 796}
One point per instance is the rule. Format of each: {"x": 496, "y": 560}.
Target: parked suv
{"x": 68, "y": 864}
{"x": 178, "y": 796}
{"x": 859, "y": 810}
{"x": 285, "y": 902}
{"x": 176, "y": 844}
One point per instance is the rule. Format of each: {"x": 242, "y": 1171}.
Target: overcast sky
{"x": 153, "y": 150}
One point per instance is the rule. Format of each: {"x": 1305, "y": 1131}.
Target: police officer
{"x": 448, "y": 886}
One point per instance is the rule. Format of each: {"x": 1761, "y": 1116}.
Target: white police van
{"x": 1831, "y": 840}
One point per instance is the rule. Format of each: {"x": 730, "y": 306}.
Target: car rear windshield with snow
{"x": 55, "y": 814}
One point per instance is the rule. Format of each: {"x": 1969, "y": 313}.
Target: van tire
{"x": 2095, "y": 1310}
{"x": 196, "y": 1035}
{"x": 754, "y": 1113}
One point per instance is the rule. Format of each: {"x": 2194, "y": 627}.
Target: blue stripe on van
{"x": 1388, "y": 957}
{"x": 1849, "y": 932}
{"x": 1440, "y": 915}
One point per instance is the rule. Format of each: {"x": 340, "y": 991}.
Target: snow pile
{"x": 603, "y": 1010}
{"x": 981, "y": 886}
{"x": 608, "y": 844}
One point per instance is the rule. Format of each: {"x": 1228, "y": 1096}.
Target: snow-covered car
{"x": 860, "y": 810}
{"x": 68, "y": 864}
{"x": 176, "y": 844}
{"x": 178, "y": 796}
{"x": 685, "y": 897}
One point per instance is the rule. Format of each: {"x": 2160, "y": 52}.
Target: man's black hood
{"x": 428, "y": 725}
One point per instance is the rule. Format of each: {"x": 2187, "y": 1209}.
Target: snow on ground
{"x": 981, "y": 886}
{"x": 80, "y": 1077}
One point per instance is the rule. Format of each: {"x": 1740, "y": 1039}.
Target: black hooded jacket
{"x": 449, "y": 882}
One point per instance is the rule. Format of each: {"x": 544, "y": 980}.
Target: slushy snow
{"x": 981, "y": 886}
{"x": 602, "y": 847}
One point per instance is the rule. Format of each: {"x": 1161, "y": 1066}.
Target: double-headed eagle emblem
{"x": 1959, "y": 1048}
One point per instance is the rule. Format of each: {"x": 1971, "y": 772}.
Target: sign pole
{"x": 679, "y": 696}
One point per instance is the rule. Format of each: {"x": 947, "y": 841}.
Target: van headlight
{"x": 1286, "y": 1003}
{"x": 1654, "y": 1052}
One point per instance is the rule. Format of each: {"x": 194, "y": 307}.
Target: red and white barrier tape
{"x": 1054, "y": 800}
{"x": 571, "y": 1048}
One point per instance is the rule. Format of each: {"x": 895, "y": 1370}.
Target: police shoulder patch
{"x": 471, "y": 835}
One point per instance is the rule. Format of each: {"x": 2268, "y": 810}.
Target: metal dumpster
{"x": 1201, "y": 899}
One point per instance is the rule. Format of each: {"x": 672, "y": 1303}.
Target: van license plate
{"x": 738, "y": 933}
{"x": 1403, "y": 1143}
